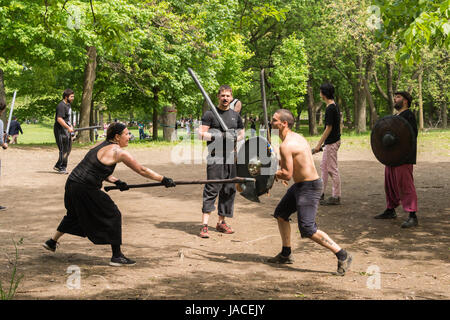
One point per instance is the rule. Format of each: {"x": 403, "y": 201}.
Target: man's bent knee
{"x": 307, "y": 232}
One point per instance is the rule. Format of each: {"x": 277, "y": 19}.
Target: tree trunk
{"x": 444, "y": 101}
{"x": 155, "y": 113}
{"x": 420, "y": 100}
{"x": 311, "y": 111}
{"x": 169, "y": 117}
{"x": 92, "y": 121}
{"x": 131, "y": 116}
{"x": 340, "y": 103}
{"x": 360, "y": 120}
{"x": 3, "y": 98}
{"x": 444, "y": 114}
{"x": 390, "y": 89}
{"x": 373, "y": 111}
{"x": 355, "y": 104}
{"x": 319, "y": 114}
{"x": 346, "y": 111}
{"x": 297, "y": 119}
{"x": 389, "y": 97}
{"x": 88, "y": 88}
{"x": 155, "y": 123}
{"x": 205, "y": 106}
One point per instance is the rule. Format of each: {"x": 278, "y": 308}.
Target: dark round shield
{"x": 256, "y": 159}
{"x": 392, "y": 140}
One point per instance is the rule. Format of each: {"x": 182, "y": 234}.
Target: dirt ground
{"x": 161, "y": 226}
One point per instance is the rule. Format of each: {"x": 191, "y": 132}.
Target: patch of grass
{"x": 9, "y": 293}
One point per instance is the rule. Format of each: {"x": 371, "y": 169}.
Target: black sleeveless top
{"x": 90, "y": 171}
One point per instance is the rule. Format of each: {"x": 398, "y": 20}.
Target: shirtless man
{"x": 297, "y": 163}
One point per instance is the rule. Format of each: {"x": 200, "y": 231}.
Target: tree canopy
{"x": 366, "y": 49}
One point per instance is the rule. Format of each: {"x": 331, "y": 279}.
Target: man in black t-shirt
{"x": 62, "y": 130}
{"x": 220, "y": 161}
{"x": 399, "y": 181}
{"x": 331, "y": 139}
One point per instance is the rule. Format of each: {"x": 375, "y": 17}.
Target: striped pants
{"x": 329, "y": 167}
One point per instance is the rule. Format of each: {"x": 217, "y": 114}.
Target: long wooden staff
{"x": 183, "y": 182}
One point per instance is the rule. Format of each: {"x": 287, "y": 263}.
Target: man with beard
{"x": 398, "y": 180}
{"x": 62, "y": 130}
{"x": 220, "y": 161}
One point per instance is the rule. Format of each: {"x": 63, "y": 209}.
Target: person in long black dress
{"x": 91, "y": 212}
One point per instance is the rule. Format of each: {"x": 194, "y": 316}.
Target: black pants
{"x": 64, "y": 142}
{"x": 226, "y": 191}
{"x": 91, "y": 213}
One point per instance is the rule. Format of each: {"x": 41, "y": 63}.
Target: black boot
{"x": 411, "y": 222}
{"x": 387, "y": 214}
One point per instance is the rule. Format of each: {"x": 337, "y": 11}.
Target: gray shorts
{"x": 226, "y": 191}
{"x": 302, "y": 197}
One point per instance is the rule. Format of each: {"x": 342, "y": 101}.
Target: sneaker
{"x": 50, "y": 245}
{"x": 322, "y": 200}
{"x": 331, "y": 201}
{"x": 411, "y": 222}
{"x": 224, "y": 228}
{"x": 204, "y": 232}
{"x": 63, "y": 171}
{"x": 121, "y": 261}
{"x": 280, "y": 259}
{"x": 2, "y": 208}
{"x": 56, "y": 169}
{"x": 344, "y": 265}
{"x": 387, "y": 214}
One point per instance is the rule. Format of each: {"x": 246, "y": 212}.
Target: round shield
{"x": 256, "y": 159}
{"x": 392, "y": 140}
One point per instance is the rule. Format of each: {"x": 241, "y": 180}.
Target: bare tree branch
{"x": 380, "y": 90}
{"x": 92, "y": 10}
{"x": 45, "y": 14}
{"x": 64, "y": 5}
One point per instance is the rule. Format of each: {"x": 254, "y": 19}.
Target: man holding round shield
{"x": 221, "y": 160}
{"x": 399, "y": 182}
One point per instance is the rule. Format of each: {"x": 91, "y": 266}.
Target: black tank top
{"x": 90, "y": 171}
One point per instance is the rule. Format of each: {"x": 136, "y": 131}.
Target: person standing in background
{"x": 62, "y": 130}
{"x": 14, "y": 129}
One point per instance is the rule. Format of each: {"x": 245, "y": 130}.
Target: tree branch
{"x": 92, "y": 10}
{"x": 64, "y": 5}
{"x": 45, "y": 14}
{"x": 340, "y": 71}
{"x": 380, "y": 90}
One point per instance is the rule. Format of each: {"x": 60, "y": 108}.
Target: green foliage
{"x": 144, "y": 49}
{"x": 416, "y": 24}
{"x": 290, "y": 73}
